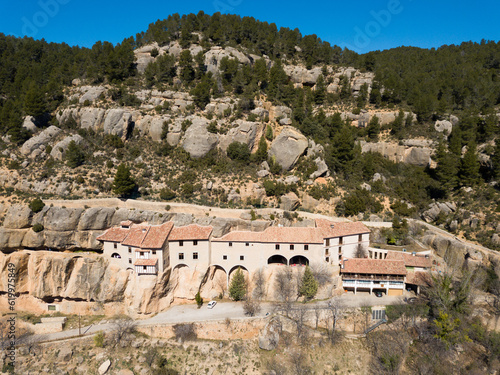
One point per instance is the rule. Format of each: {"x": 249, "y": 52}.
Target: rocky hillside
{"x": 198, "y": 110}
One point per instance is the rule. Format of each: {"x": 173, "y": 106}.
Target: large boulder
{"x": 322, "y": 169}
{"x": 269, "y": 337}
{"x": 29, "y": 124}
{"x": 118, "y": 122}
{"x": 216, "y": 54}
{"x": 96, "y": 218}
{"x": 59, "y": 150}
{"x": 198, "y": 141}
{"x": 435, "y": 209}
{"x": 62, "y": 219}
{"x": 18, "y": 216}
{"x": 40, "y": 140}
{"x": 91, "y": 93}
{"x": 245, "y": 132}
{"x": 288, "y": 147}
{"x": 301, "y": 75}
{"x": 91, "y": 118}
{"x": 290, "y": 202}
{"x": 443, "y": 127}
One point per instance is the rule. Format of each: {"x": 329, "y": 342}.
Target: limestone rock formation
{"x": 18, "y": 217}
{"x": 290, "y": 202}
{"x": 90, "y": 93}
{"x": 59, "y": 150}
{"x": 118, "y": 122}
{"x": 91, "y": 118}
{"x": 29, "y": 124}
{"x": 270, "y": 335}
{"x": 322, "y": 169}
{"x": 436, "y": 208}
{"x": 400, "y": 154}
{"x": 301, "y": 75}
{"x": 40, "y": 140}
{"x": 443, "y": 127}
{"x": 198, "y": 141}
{"x": 245, "y": 132}
{"x": 288, "y": 147}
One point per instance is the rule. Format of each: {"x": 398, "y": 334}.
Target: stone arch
{"x": 299, "y": 260}
{"x": 116, "y": 256}
{"x": 233, "y": 270}
{"x": 277, "y": 259}
{"x": 181, "y": 265}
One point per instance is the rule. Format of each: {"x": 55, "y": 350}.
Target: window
{"x": 195, "y": 243}
{"x": 360, "y": 238}
{"x": 154, "y": 252}
{"x": 195, "y": 255}
{"x": 144, "y": 268}
{"x": 242, "y": 257}
{"x": 51, "y": 307}
{"x": 141, "y": 253}
{"x": 292, "y": 247}
{"x": 130, "y": 260}
{"x": 230, "y": 244}
{"x": 247, "y": 244}
{"x": 129, "y": 249}
{"x": 181, "y": 243}
{"x": 115, "y": 245}
{"x": 327, "y": 259}
{"x": 181, "y": 256}
{"x": 340, "y": 240}
{"x": 340, "y": 249}
{"x": 277, "y": 246}
{"x": 306, "y": 247}
{"x": 224, "y": 257}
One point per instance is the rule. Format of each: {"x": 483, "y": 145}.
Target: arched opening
{"x": 130, "y": 268}
{"x": 116, "y": 256}
{"x": 277, "y": 259}
{"x": 179, "y": 266}
{"x": 299, "y": 260}
{"x": 216, "y": 283}
{"x": 234, "y": 269}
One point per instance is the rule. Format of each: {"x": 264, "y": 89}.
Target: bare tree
{"x": 299, "y": 317}
{"x": 322, "y": 273}
{"x": 122, "y": 328}
{"x": 276, "y": 366}
{"x": 185, "y": 332}
{"x": 284, "y": 289}
{"x": 221, "y": 282}
{"x": 251, "y": 307}
{"x": 259, "y": 281}
{"x": 361, "y": 252}
{"x": 335, "y": 313}
{"x": 300, "y": 363}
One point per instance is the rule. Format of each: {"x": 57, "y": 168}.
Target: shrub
{"x": 99, "y": 339}
{"x": 38, "y": 227}
{"x": 166, "y": 194}
{"x": 238, "y": 151}
{"x": 238, "y": 287}
{"x": 36, "y": 205}
{"x": 198, "y": 299}
{"x": 185, "y": 332}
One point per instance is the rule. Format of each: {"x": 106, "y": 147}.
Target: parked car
{"x": 379, "y": 294}
{"x": 412, "y": 300}
{"x": 211, "y": 304}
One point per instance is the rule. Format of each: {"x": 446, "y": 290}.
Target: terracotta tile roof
{"x": 114, "y": 235}
{"x": 136, "y": 235}
{"x": 419, "y": 278}
{"x": 156, "y": 236}
{"x": 126, "y": 223}
{"x": 409, "y": 259}
{"x": 374, "y": 266}
{"x": 275, "y": 235}
{"x": 190, "y": 232}
{"x": 341, "y": 229}
{"x": 146, "y": 262}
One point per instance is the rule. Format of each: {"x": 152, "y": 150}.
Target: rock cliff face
{"x": 400, "y": 154}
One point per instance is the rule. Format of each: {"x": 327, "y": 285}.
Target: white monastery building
{"x": 149, "y": 250}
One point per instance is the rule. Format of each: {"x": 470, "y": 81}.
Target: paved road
{"x": 232, "y": 310}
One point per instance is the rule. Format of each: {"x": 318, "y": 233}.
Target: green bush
{"x": 36, "y": 205}
{"x": 166, "y": 194}
{"x": 99, "y": 339}
{"x": 198, "y": 299}
{"x": 38, "y": 227}
{"x": 238, "y": 151}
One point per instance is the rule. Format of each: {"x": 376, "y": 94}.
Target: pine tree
{"x": 201, "y": 93}
{"x": 495, "y": 159}
{"x": 309, "y": 286}
{"x": 320, "y": 91}
{"x": 373, "y": 129}
{"x": 34, "y": 101}
{"x": 238, "y": 287}
{"x": 74, "y": 155}
{"x": 261, "y": 154}
{"x": 469, "y": 166}
{"x": 123, "y": 184}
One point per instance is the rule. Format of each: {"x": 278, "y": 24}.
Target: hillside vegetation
{"x": 191, "y": 108}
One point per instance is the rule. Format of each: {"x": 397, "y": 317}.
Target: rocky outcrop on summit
{"x": 40, "y": 140}
{"x": 288, "y": 147}
{"x": 198, "y": 141}
{"x": 216, "y": 54}
{"x": 299, "y": 74}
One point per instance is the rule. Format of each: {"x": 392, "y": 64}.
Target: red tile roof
{"x": 190, "y": 232}
{"x": 419, "y": 278}
{"x": 136, "y": 235}
{"x": 374, "y": 266}
{"x": 126, "y": 223}
{"x": 409, "y": 259}
{"x": 113, "y": 235}
{"x": 146, "y": 262}
{"x": 157, "y": 236}
{"x": 331, "y": 229}
{"x": 275, "y": 235}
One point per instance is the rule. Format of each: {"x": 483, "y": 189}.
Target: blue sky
{"x": 360, "y": 25}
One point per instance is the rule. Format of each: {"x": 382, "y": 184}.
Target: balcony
{"x": 386, "y": 278}
{"x": 373, "y": 284}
